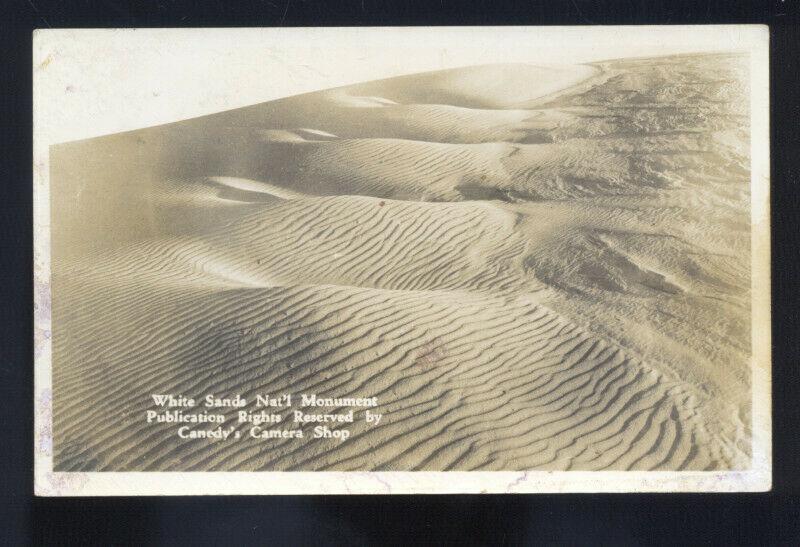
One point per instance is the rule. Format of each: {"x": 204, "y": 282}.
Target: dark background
{"x": 741, "y": 519}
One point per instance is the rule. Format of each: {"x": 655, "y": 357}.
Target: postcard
{"x": 401, "y": 260}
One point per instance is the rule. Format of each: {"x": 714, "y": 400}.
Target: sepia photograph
{"x": 402, "y": 260}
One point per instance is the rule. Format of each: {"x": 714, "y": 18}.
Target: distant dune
{"x": 529, "y": 267}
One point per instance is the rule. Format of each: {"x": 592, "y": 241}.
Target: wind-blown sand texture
{"x": 530, "y": 267}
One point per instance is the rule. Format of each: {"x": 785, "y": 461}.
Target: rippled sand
{"x": 530, "y": 267}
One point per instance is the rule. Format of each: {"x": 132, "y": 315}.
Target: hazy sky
{"x": 95, "y": 82}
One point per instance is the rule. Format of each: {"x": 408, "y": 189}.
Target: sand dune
{"x": 486, "y": 86}
{"x": 530, "y": 267}
{"x": 473, "y": 383}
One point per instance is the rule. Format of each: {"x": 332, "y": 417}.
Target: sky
{"x": 95, "y": 82}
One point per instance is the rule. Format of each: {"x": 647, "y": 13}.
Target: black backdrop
{"x": 765, "y": 519}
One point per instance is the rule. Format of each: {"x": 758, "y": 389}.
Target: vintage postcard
{"x": 401, "y": 260}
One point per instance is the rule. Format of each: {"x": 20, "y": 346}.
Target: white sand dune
{"x": 487, "y": 86}
{"x": 531, "y": 268}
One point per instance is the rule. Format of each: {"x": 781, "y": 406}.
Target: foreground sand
{"x": 526, "y": 278}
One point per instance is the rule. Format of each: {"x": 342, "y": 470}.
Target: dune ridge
{"x": 530, "y": 267}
